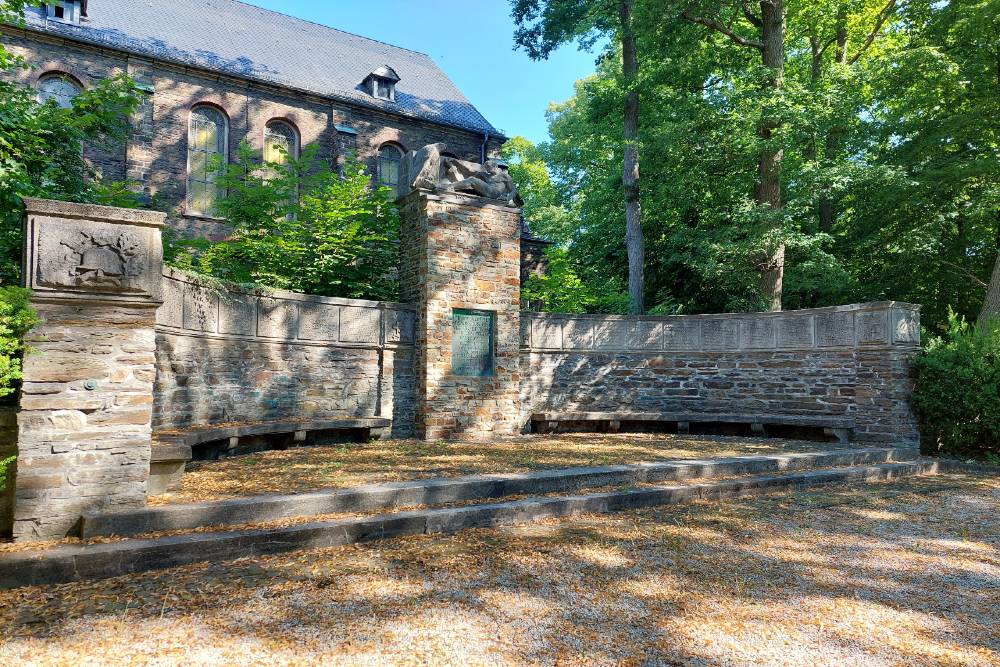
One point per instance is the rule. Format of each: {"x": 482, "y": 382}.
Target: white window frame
{"x": 71, "y": 10}
{"x": 189, "y": 209}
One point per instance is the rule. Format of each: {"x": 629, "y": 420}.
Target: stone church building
{"x": 218, "y": 72}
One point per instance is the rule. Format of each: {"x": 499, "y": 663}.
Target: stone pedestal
{"x": 84, "y": 424}
{"x": 460, "y": 268}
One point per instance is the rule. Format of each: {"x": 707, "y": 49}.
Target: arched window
{"x": 281, "y": 142}
{"x": 208, "y": 140}
{"x": 390, "y": 158}
{"x": 58, "y": 87}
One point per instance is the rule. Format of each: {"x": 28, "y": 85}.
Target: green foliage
{"x": 41, "y": 153}
{"x": 16, "y": 319}
{"x": 300, "y": 226}
{"x": 899, "y": 140}
{"x": 957, "y": 397}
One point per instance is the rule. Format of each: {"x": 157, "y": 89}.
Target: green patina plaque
{"x": 472, "y": 342}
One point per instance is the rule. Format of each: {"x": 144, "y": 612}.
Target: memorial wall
{"x": 224, "y": 355}
{"x": 850, "y": 361}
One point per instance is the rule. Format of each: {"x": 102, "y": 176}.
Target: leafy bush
{"x": 300, "y": 226}
{"x": 957, "y": 397}
{"x": 16, "y": 319}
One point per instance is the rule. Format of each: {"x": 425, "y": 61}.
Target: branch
{"x": 882, "y": 18}
{"x": 718, "y": 27}
{"x": 750, "y": 16}
{"x": 965, "y": 272}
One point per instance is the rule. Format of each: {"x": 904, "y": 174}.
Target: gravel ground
{"x": 901, "y": 573}
{"x": 311, "y": 468}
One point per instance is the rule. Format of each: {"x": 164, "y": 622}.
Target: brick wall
{"x": 847, "y": 361}
{"x": 156, "y": 156}
{"x": 229, "y": 356}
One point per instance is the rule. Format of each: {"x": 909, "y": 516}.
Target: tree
{"x": 544, "y": 25}
{"x": 299, "y": 225}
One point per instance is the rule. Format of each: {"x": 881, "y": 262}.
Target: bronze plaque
{"x": 472, "y": 343}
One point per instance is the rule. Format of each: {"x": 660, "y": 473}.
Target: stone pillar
{"x": 86, "y": 404}
{"x": 460, "y": 267}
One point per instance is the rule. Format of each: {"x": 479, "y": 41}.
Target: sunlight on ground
{"x": 892, "y": 573}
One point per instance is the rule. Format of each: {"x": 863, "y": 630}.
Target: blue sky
{"x": 473, "y": 42}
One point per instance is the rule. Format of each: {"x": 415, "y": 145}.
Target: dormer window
{"x": 381, "y": 83}
{"x": 66, "y": 11}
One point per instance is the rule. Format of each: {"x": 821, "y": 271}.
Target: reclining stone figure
{"x": 428, "y": 169}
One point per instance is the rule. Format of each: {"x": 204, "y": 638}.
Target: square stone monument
{"x": 460, "y": 267}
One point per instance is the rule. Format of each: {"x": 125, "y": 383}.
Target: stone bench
{"x": 172, "y": 450}
{"x": 839, "y": 427}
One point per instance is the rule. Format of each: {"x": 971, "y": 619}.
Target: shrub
{"x": 16, "y": 319}
{"x": 957, "y": 397}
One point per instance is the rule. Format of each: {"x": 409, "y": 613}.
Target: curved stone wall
{"x": 229, "y": 355}
{"x": 846, "y": 361}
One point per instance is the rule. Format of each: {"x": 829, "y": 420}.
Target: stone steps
{"x": 381, "y": 497}
{"x": 79, "y": 562}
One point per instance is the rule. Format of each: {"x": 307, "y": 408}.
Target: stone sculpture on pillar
{"x": 429, "y": 169}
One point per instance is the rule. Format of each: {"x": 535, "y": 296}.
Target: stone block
{"x": 201, "y": 309}
{"x": 720, "y": 334}
{"x": 905, "y": 326}
{"x": 835, "y": 329}
{"x": 279, "y": 318}
{"x": 578, "y": 334}
{"x": 547, "y": 333}
{"x": 873, "y": 327}
{"x": 794, "y": 331}
{"x": 171, "y": 313}
{"x": 399, "y": 326}
{"x": 681, "y": 334}
{"x": 647, "y": 336}
{"x": 319, "y": 321}
{"x": 613, "y": 334}
{"x": 759, "y": 333}
{"x": 238, "y": 314}
{"x": 360, "y": 325}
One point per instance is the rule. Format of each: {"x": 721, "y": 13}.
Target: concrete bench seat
{"x": 171, "y": 450}
{"x": 838, "y": 426}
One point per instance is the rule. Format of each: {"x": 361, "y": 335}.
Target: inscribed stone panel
{"x": 171, "y": 313}
{"x": 319, "y": 321}
{"x": 399, "y": 326}
{"x": 276, "y": 318}
{"x": 794, "y": 331}
{"x": 546, "y": 333}
{"x": 238, "y": 314}
{"x": 835, "y": 329}
{"x": 758, "y": 333}
{"x": 612, "y": 334}
{"x": 905, "y": 326}
{"x": 578, "y": 334}
{"x": 873, "y": 327}
{"x": 201, "y": 309}
{"x": 682, "y": 335}
{"x": 721, "y": 334}
{"x": 647, "y": 336}
{"x": 360, "y": 325}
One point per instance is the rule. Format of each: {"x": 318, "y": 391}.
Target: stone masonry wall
{"x": 84, "y": 432}
{"x": 847, "y": 361}
{"x": 229, "y": 356}
{"x": 156, "y": 155}
{"x": 460, "y": 252}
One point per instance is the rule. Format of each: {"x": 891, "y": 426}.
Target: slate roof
{"x": 247, "y": 41}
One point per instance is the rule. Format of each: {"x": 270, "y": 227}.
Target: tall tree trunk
{"x": 991, "y": 304}
{"x": 768, "y": 190}
{"x": 634, "y": 243}
{"x": 835, "y": 137}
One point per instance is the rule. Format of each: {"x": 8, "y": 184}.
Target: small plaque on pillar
{"x": 472, "y": 344}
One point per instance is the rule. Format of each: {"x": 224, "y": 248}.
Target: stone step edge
{"x": 436, "y": 491}
{"x": 84, "y": 562}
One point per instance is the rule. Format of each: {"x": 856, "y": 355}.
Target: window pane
{"x": 58, "y": 88}
{"x": 206, "y": 152}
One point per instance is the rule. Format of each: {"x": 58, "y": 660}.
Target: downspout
{"x": 482, "y": 152}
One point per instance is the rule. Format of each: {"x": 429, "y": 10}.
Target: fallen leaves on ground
{"x": 906, "y": 573}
